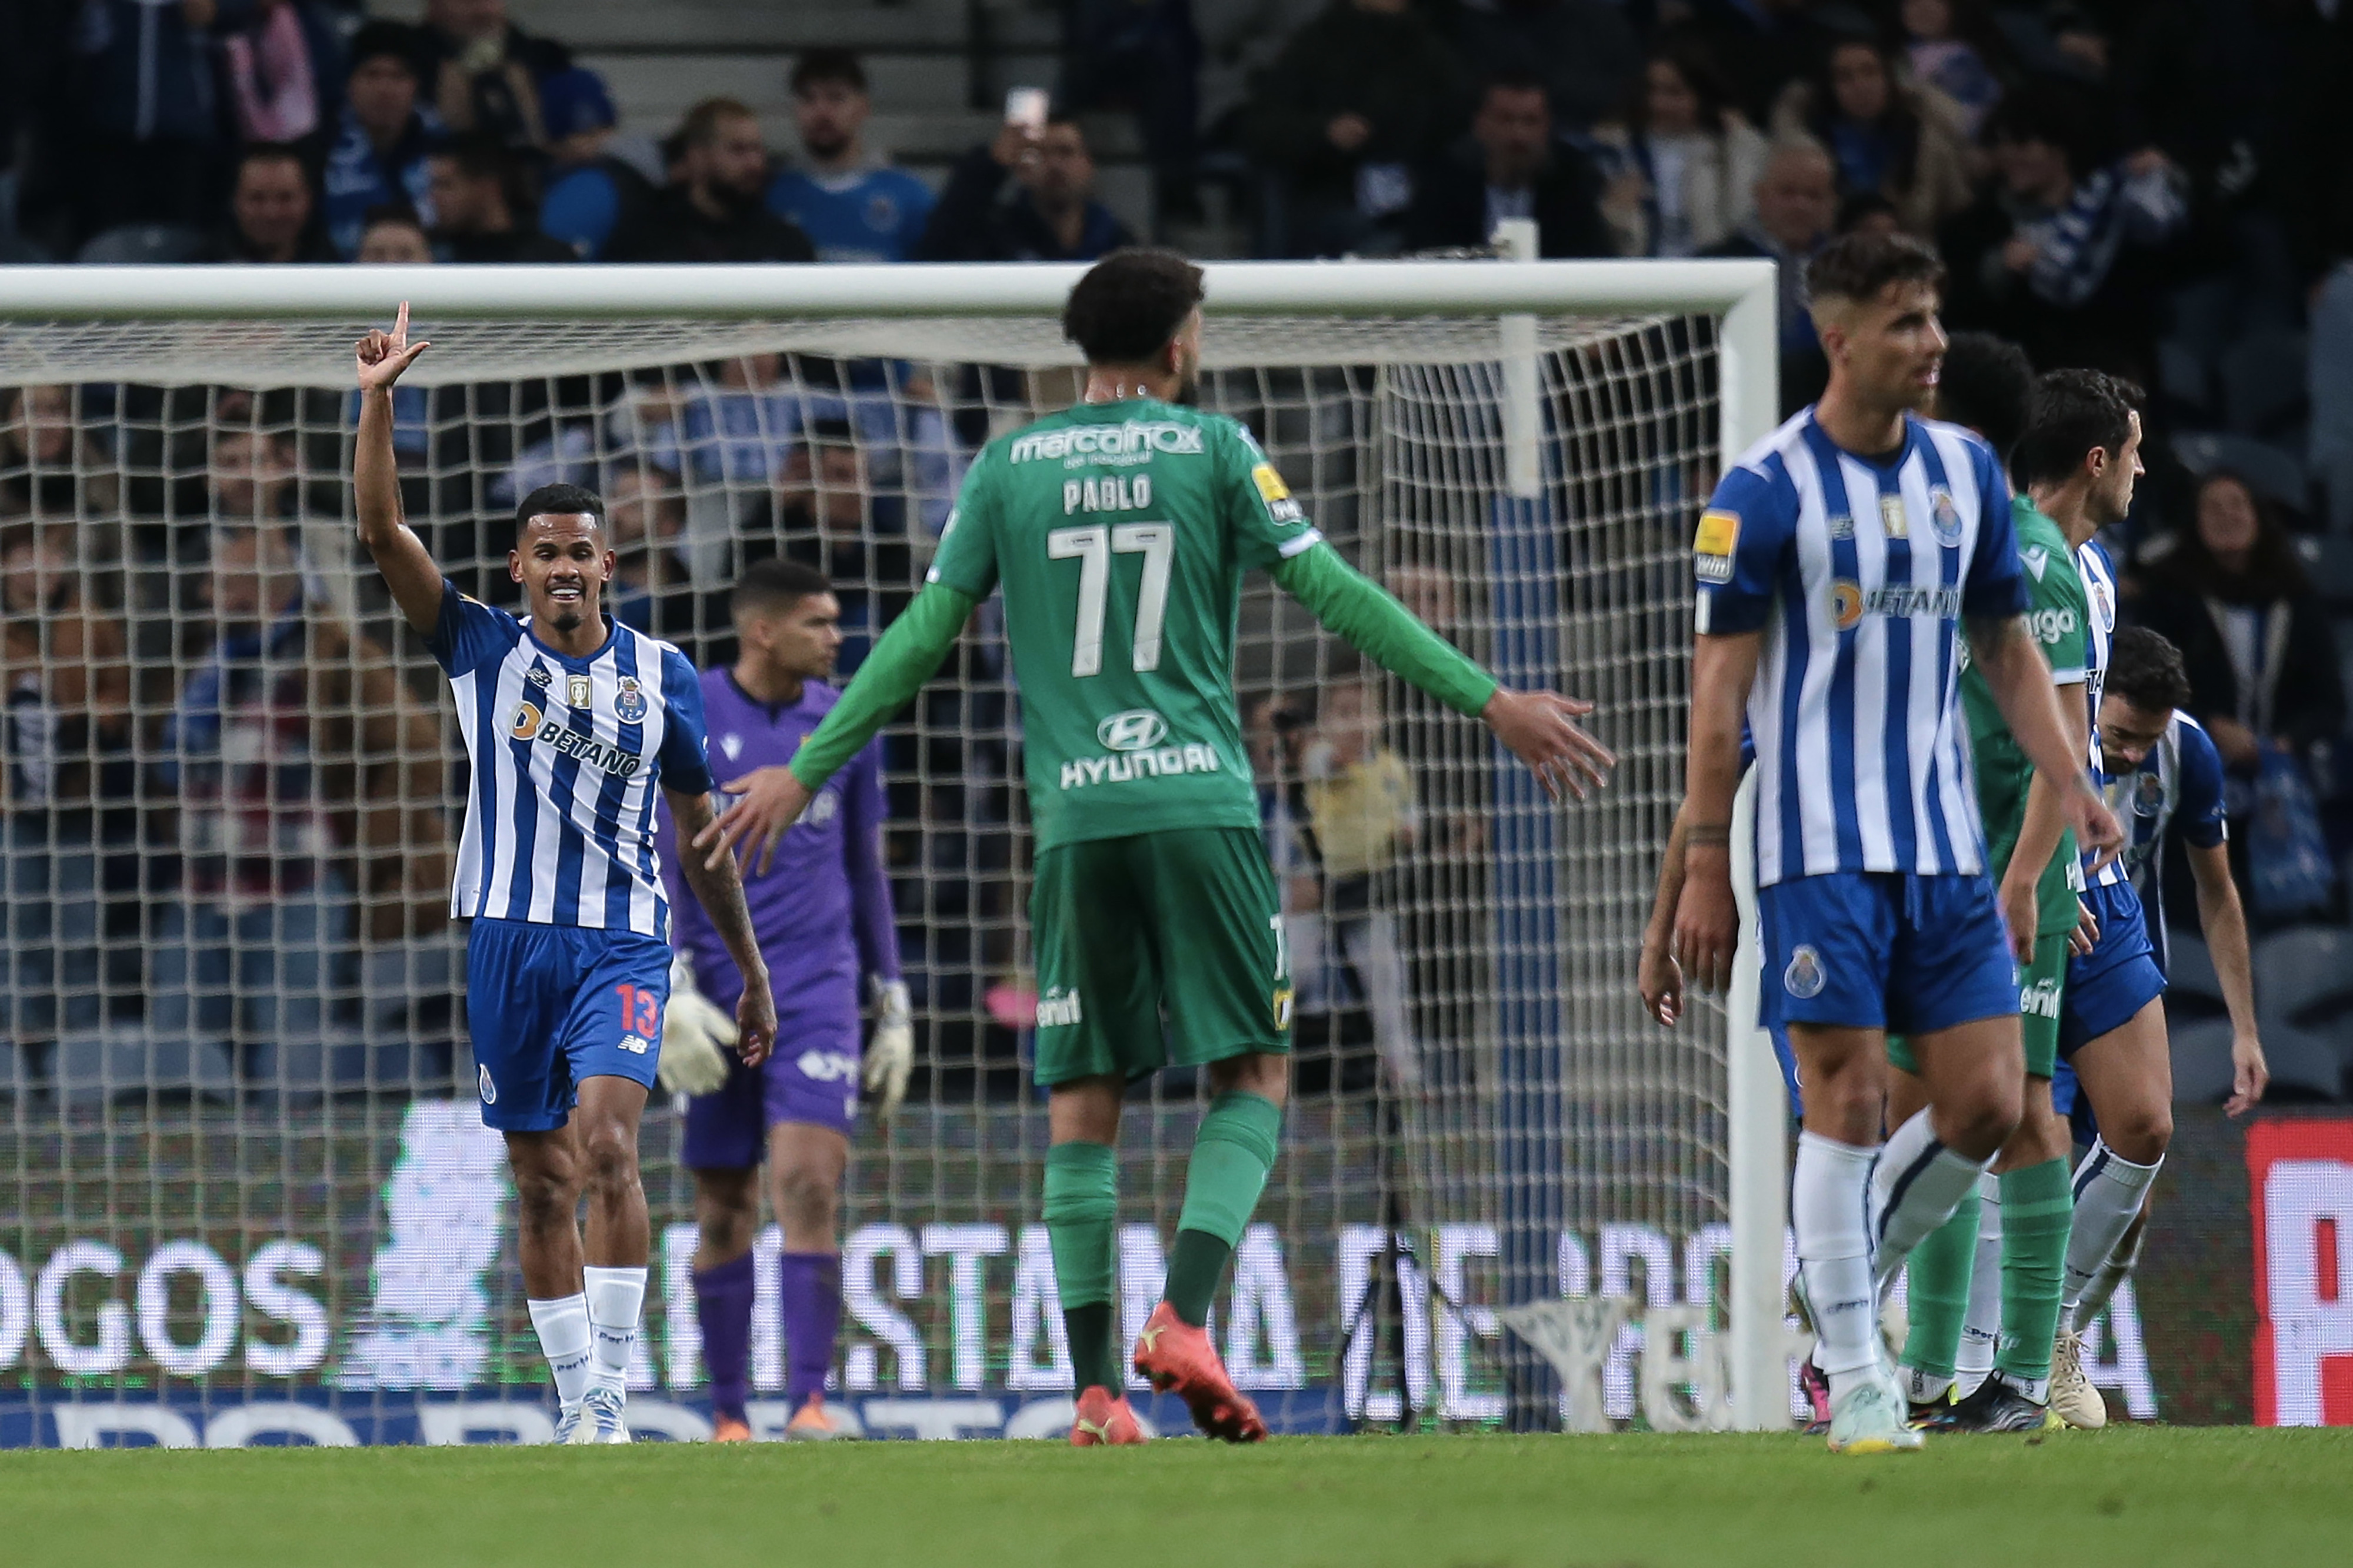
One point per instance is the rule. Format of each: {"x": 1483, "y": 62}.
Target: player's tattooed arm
{"x": 1707, "y": 922}
{"x": 2020, "y": 679}
{"x": 407, "y": 566}
{"x": 718, "y": 887}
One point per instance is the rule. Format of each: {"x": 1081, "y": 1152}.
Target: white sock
{"x": 2113, "y": 1273}
{"x": 615, "y": 1298}
{"x": 2108, "y": 1192}
{"x": 564, "y": 1338}
{"x": 1914, "y": 1188}
{"x": 1828, "y": 1190}
{"x": 1981, "y": 1322}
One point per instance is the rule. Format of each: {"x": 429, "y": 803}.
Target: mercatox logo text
{"x": 1134, "y": 438}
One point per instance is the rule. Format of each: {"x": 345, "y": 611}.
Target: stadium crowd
{"x": 2162, "y": 189}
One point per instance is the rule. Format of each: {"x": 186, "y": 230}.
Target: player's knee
{"x": 2141, "y": 1134}
{"x": 805, "y": 1200}
{"x": 609, "y": 1155}
{"x": 1262, "y": 1073}
{"x": 1977, "y": 1124}
{"x": 546, "y": 1193}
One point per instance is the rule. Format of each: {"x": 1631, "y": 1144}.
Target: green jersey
{"x": 1120, "y": 532}
{"x": 2059, "y": 616}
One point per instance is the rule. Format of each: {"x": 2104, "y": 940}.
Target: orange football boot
{"x": 811, "y": 1423}
{"x": 1104, "y": 1421}
{"x": 730, "y": 1430}
{"x": 1179, "y": 1359}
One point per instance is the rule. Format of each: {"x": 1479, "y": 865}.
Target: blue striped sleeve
{"x": 469, "y": 634}
{"x": 1995, "y": 587}
{"x": 1737, "y": 553}
{"x": 685, "y": 767}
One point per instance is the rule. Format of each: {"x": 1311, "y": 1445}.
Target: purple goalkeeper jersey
{"x": 822, "y": 913}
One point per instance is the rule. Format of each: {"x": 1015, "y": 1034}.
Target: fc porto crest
{"x": 630, "y": 704}
{"x": 2149, "y": 796}
{"x": 1944, "y": 516}
{"x": 1804, "y": 978}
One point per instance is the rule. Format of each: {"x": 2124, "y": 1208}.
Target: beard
{"x": 827, "y": 146}
{"x": 568, "y": 620}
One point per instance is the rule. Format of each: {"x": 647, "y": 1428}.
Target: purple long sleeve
{"x": 870, "y": 889}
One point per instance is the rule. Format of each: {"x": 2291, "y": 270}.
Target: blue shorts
{"x": 2068, "y": 1099}
{"x": 2120, "y": 977}
{"x": 1885, "y": 950}
{"x": 548, "y": 1007}
{"x": 812, "y": 1079}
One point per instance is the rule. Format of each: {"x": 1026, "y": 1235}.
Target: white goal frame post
{"x": 1740, "y": 293}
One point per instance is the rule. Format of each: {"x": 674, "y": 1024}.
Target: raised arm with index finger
{"x": 408, "y": 568}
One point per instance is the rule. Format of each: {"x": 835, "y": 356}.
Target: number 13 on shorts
{"x": 641, "y": 1010}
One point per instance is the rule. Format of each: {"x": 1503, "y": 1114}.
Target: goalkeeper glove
{"x": 695, "y": 1034}
{"x": 891, "y": 1054}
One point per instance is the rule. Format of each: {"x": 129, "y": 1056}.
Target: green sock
{"x": 1937, "y": 1291}
{"x": 1082, "y": 1227}
{"x": 2037, "y": 1210}
{"x": 1232, "y": 1152}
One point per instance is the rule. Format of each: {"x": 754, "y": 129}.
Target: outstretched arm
{"x": 407, "y": 566}
{"x": 770, "y": 800}
{"x": 1537, "y": 727}
{"x": 720, "y": 891}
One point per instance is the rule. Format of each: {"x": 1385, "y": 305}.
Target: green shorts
{"x": 1162, "y": 950}
{"x": 2039, "y": 990}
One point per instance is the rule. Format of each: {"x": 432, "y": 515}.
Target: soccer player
{"x": 1120, "y": 530}
{"x": 823, "y": 916}
{"x": 2166, "y": 781}
{"x": 2022, "y": 1202}
{"x": 1836, "y": 565}
{"x": 571, "y": 722}
{"x": 2078, "y": 460}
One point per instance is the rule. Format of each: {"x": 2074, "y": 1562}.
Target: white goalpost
{"x": 242, "y": 1168}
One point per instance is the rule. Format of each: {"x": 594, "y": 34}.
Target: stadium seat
{"x": 131, "y": 1063}
{"x": 2329, "y": 561}
{"x": 2264, "y": 381}
{"x": 2201, "y": 1062}
{"x": 2304, "y": 1004}
{"x": 2306, "y": 1064}
{"x": 2276, "y": 475}
{"x": 2190, "y": 966}
{"x": 141, "y": 244}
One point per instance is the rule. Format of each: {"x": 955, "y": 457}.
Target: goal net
{"x": 245, "y": 1193}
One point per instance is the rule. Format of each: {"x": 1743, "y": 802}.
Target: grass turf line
{"x": 2136, "y": 1498}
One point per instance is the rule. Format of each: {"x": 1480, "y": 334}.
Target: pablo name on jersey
{"x": 1133, "y": 741}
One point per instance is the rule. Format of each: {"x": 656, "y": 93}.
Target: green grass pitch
{"x": 2136, "y": 1498}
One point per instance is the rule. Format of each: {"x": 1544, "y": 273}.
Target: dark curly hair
{"x": 1130, "y": 304}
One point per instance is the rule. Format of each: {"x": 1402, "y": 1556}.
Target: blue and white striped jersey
{"x": 2177, "y": 786}
{"x": 1858, "y": 572}
{"x": 566, "y": 755}
{"x": 2100, "y": 588}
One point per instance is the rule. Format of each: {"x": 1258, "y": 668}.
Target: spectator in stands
{"x": 2066, "y": 253}
{"x": 281, "y": 72}
{"x": 46, "y": 469}
{"x": 852, "y": 207}
{"x": 272, "y": 216}
{"x": 1886, "y": 134}
{"x": 653, "y": 587}
{"x": 1762, "y": 46}
{"x": 827, "y": 516}
{"x": 592, "y": 190}
{"x": 65, "y": 780}
{"x": 1796, "y": 200}
{"x": 718, "y": 213}
{"x": 149, "y": 146}
{"x": 394, "y": 236}
{"x": 1946, "y": 44}
{"x": 1682, "y": 167}
{"x": 1025, "y": 196}
{"x": 1143, "y": 57}
{"x": 254, "y": 477}
{"x": 1510, "y": 166}
{"x": 306, "y": 772}
{"x": 482, "y": 206}
{"x": 383, "y": 138}
{"x": 1583, "y": 52}
{"x": 482, "y": 72}
{"x": 2233, "y": 596}
{"x": 1361, "y": 95}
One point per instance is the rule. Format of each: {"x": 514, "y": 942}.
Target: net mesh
{"x": 241, "y": 1162}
